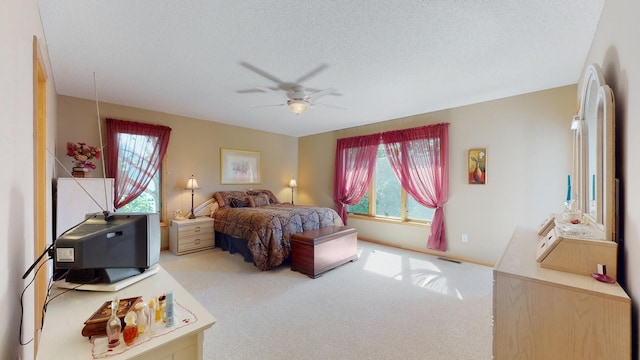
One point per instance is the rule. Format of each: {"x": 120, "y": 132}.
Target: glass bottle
{"x": 143, "y": 317}
{"x": 160, "y": 312}
{"x": 113, "y": 325}
{"x": 153, "y": 306}
{"x": 130, "y": 332}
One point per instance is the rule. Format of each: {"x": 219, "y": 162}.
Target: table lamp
{"x": 292, "y": 184}
{"x": 192, "y": 184}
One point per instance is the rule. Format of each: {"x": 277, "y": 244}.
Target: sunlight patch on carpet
{"x": 416, "y": 271}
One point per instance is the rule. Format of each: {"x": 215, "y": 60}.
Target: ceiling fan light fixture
{"x": 298, "y": 106}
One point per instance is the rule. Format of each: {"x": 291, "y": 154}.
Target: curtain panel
{"x": 135, "y": 152}
{"x": 355, "y": 162}
{"x": 419, "y": 158}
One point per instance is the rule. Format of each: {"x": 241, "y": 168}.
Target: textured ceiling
{"x": 386, "y": 59}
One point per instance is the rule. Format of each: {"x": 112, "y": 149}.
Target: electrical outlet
{"x": 465, "y": 238}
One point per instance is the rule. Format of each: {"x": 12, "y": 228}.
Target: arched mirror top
{"x": 595, "y": 159}
{"x": 605, "y": 191}
{"x": 591, "y": 82}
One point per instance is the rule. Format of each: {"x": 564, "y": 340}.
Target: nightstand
{"x": 187, "y": 236}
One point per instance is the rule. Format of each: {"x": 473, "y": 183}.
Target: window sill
{"x": 425, "y": 224}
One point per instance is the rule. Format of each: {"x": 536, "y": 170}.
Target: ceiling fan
{"x": 297, "y": 98}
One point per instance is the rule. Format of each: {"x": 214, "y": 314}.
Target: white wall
{"x": 615, "y": 48}
{"x": 19, "y": 22}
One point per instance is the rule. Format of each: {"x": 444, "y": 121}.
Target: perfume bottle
{"x": 161, "y": 315}
{"x": 153, "y": 302}
{"x": 113, "y": 325}
{"x": 130, "y": 332}
{"x": 143, "y": 317}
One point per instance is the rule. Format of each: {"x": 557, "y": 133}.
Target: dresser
{"x": 542, "y": 313}
{"x": 191, "y": 235}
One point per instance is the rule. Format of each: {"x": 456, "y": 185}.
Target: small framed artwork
{"x": 477, "y": 171}
{"x": 239, "y": 167}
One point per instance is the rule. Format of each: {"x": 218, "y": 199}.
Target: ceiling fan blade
{"x": 270, "y": 90}
{"x": 313, "y": 90}
{"x": 249, "y": 91}
{"x": 262, "y": 73}
{"x": 320, "y": 93}
{"x": 265, "y": 89}
{"x": 312, "y": 73}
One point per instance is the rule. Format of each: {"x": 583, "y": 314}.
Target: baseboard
{"x": 429, "y": 252}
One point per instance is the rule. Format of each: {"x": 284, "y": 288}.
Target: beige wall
{"x": 615, "y": 48}
{"x": 528, "y": 143}
{"x": 525, "y": 179}
{"x": 19, "y": 23}
{"x": 513, "y": 130}
{"x": 194, "y": 148}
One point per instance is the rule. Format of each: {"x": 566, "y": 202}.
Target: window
{"x": 135, "y": 154}
{"x": 420, "y": 159}
{"x": 148, "y": 201}
{"x": 135, "y": 147}
{"x": 390, "y": 199}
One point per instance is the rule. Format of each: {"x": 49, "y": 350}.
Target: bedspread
{"x": 268, "y": 229}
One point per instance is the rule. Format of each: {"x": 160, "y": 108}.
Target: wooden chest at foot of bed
{"x": 315, "y": 251}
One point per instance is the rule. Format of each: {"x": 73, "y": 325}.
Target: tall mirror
{"x": 594, "y": 164}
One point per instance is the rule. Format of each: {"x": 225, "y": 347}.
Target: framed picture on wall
{"x": 477, "y": 172}
{"x": 239, "y": 167}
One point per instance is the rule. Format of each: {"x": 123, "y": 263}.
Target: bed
{"x": 257, "y": 225}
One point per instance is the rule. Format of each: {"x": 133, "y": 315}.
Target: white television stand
{"x": 116, "y": 286}
{"x": 61, "y": 334}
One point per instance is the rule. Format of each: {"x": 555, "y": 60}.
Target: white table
{"x": 61, "y": 335}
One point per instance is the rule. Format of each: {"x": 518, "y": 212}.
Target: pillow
{"x": 272, "y": 198}
{"x": 239, "y": 202}
{"x": 223, "y": 198}
{"x": 260, "y": 200}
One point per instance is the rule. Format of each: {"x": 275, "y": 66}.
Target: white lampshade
{"x": 298, "y": 106}
{"x": 293, "y": 183}
{"x": 192, "y": 183}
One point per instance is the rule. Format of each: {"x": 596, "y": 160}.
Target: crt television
{"x": 107, "y": 248}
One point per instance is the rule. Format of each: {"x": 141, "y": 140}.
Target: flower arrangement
{"x": 82, "y": 154}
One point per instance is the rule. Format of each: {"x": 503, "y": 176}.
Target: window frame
{"x": 162, "y": 192}
{"x": 404, "y": 212}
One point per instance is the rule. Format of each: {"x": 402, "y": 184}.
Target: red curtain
{"x": 420, "y": 160}
{"x": 134, "y": 154}
{"x": 355, "y": 162}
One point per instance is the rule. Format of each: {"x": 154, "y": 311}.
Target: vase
{"x": 478, "y": 175}
{"x": 80, "y": 172}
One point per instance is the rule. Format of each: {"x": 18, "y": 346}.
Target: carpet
{"x": 389, "y": 304}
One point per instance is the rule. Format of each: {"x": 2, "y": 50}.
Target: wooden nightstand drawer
{"x": 193, "y": 243}
{"x": 191, "y": 235}
{"x": 196, "y": 229}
